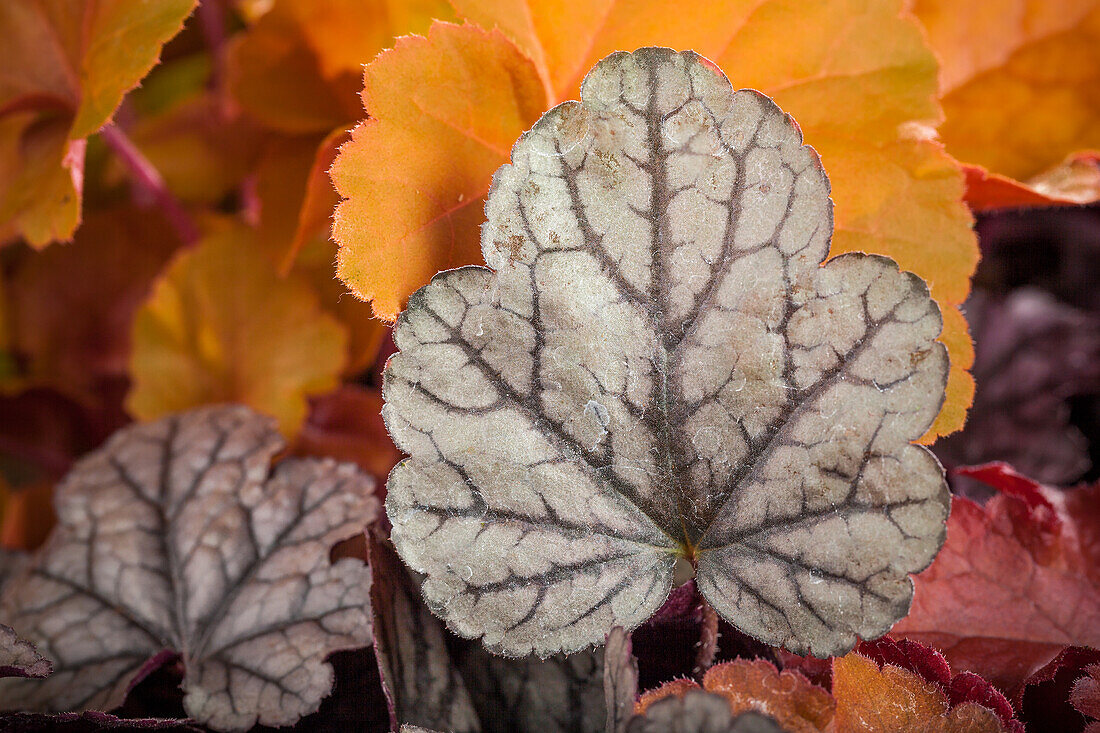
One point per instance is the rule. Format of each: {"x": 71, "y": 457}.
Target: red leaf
{"x": 1038, "y": 519}
{"x": 1017, "y": 580}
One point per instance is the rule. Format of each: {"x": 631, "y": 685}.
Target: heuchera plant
{"x": 657, "y": 367}
{"x": 670, "y": 372}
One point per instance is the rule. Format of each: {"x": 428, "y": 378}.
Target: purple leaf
{"x": 422, "y": 685}
{"x": 88, "y": 722}
{"x": 1032, "y": 355}
{"x": 562, "y": 694}
{"x": 620, "y": 679}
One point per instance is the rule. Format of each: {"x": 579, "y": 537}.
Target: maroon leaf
{"x": 919, "y": 659}
{"x": 1043, "y": 700}
{"x": 968, "y": 687}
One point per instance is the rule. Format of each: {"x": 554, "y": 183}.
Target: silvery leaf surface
{"x": 178, "y": 535}
{"x": 657, "y": 367}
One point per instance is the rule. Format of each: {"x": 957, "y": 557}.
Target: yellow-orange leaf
{"x": 855, "y": 75}
{"x": 296, "y": 200}
{"x": 1020, "y": 81}
{"x": 202, "y": 154}
{"x": 41, "y": 179}
{"x": 894, "y": 700}
{"x": 222, "y": 326}
{"x": 444, "y": 112}
{"x": 66, "y": 67}
{"x": 298, "y": 68}
{"x": 960, "y": 383}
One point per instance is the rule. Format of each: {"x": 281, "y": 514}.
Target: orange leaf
{"x": 222, "y": 326}
{"x": 26, "y": 515}
{"x": 894, "y": 192}
{"x": 1020, "y": 80}
{"x": 315, "y": 212}
{"x": 296, "y": 202}
{"x": 987, "y": 191}
{"x": 298, "y": 68}
{"x": 445, "y": 110}
{"x": 66, "y": 68}
{"x": 894, "y": 700}
{"x": 796, "y": 704}
{"x": 1076, "y": 180}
